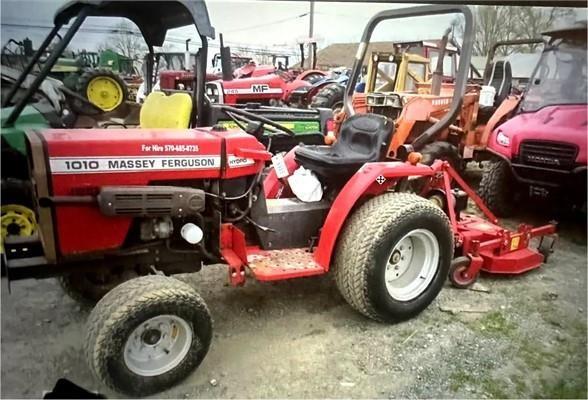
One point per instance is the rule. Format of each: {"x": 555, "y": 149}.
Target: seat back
{"x": 499, "y": 76}
{"x": 161, "y": 111}
{"x": 364, "y": 134}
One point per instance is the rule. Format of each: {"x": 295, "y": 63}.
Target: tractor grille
{"x": 150, "y": 201}
{"x": 546, "y": 154}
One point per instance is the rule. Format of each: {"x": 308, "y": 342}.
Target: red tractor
{"x": 538, "y": 142}
{"x": 266, "y": 85}
{"x": 151, "y": 200}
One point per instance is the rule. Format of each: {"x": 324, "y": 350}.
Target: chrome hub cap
{"x": 158, "y": 345}
{"x": 412, "y": 264}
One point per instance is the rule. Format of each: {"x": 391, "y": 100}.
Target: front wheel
{"x": 497, "y": 188}
{"x": 147, "y": 334}
{"x": 393, "y": 256}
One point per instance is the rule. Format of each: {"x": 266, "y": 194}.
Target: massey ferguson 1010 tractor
{"x": 155, "y": 201}
{"x": 540, "y": 151}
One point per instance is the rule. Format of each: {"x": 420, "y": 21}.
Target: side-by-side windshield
{"x": 560, "y": 77}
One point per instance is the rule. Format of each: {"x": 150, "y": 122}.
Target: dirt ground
{"x": 524, "y": 338}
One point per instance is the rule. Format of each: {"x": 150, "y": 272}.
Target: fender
{"x": 302, "y": 76}
{"x": 321, "y": 84}
{"x": 361, "y": 184}
{"x": 505, "y": 108}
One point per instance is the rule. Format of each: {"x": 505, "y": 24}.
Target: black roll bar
{"x": 31, "y": 64}
{"x": 513, "y": 42}
{"x": 55, "y": 54}
{"x": 462, "y": 73}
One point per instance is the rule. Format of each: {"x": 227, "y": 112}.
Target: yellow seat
{"x": 161, "y": 111}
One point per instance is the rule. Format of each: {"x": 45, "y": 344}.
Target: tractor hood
{"x": 564, "y": 124}
{"x": 153, "y": 18}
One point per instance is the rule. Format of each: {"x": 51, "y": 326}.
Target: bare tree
{"x": 125, "y": 40}
{"x": 497, "y": 23}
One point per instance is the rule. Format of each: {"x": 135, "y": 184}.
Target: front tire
{"x": 497, "y": 188}
{"x": 394, "y": 256}
{"x": 147, "y": 334}
{"x": 88, "y": 288}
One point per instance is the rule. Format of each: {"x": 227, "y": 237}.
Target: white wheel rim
{"x": 411, "y": 265}
{"x": 158, "y": 345}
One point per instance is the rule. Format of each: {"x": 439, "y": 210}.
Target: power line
{"x": 268, "y": 24}
{"x": 171, "y": 39}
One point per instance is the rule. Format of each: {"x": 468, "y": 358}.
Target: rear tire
{"x": 497, "y": 188}
{"x": 331, "y": 96}
{"x": 132, "y": 335}
{"x": 114, "y": 99}
{"x": 365, "y": 267}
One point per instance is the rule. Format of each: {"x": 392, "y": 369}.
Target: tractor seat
{"x": 363, "y": 138}
{"x": 499, "y": 76}
{"x": 161, "y": 111}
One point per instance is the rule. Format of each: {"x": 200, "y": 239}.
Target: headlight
{"x": 502, "y": 139}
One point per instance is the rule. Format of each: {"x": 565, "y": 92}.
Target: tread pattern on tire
{"x": 366, "y": 227}
{"x": 120, "y": 302}
{"x": 495, "y": 186}
{"x": 328, "y": 96}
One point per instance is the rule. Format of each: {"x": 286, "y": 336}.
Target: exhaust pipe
{"x": 226, "y": 65}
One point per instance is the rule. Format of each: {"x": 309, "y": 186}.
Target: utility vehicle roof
{"x": 153, "y": 18}
{"x": 577, "y": 30}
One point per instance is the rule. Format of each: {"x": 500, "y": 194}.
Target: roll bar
{"x": 513, "y": 42}
{"x": 462, "y": 73}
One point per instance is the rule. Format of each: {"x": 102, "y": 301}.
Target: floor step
{"x": 276, "y": 265}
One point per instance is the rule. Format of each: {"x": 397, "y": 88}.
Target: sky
{"x": 275, "y": 24}
{"x": 279, "y": 25}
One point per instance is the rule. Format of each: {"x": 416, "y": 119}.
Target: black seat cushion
{"x": 362, "y": 139}
{"x": 499, "y": 76}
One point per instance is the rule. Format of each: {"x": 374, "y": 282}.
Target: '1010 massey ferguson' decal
{"x": 76, "y": 165}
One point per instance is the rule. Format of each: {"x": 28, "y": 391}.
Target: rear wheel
{"x": 393, "y": 256}
{"x": 147, "y": 334}
{"x": 103, "y": 88}
{"x": 497, "y": 189}
{"x": 331, "y": 96}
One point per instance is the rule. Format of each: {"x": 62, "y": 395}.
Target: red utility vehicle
{"x": 540, "y": 150}
{"x": 131, "y": 202}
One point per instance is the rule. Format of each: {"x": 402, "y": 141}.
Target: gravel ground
{"x": 526, "y": 337}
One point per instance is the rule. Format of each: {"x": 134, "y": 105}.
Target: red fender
{"x": 361, "y": 184}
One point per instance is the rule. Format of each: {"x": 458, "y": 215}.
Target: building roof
{"x": 343, "y": 54}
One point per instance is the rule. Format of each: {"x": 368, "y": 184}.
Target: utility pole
{"x": 311, "y": 26}
{"x": 310, "y": 35}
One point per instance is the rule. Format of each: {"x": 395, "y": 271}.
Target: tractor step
{"x": 276, "y": 265}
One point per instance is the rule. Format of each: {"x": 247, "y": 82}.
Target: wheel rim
{"x": 412, "y": 265}
{"x": 459, "y": 276}
{"x": 104, "y": 92}
{"x": 17, "y": 220}
{"x": 158, "y": 345}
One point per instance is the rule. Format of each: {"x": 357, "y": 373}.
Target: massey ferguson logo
{"x": 259, "y": 88}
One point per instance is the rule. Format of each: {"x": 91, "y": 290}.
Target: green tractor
{"x": 95, "y": 76}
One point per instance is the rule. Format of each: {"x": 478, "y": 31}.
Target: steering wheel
{"x": 238, "y": 116}
{"x": 77, "y": 96}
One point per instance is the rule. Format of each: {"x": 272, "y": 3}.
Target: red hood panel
{"x": 81, "y": 161}
{"x": 566, "y": 124}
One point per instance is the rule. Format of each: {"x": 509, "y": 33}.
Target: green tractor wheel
{"x": 103, "y": 88}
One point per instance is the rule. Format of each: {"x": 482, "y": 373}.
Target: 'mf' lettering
{"x": 259, "y": 88}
